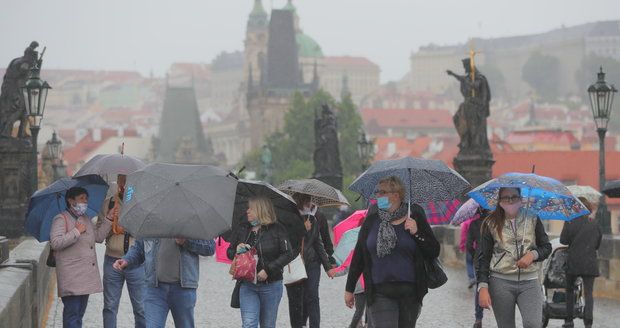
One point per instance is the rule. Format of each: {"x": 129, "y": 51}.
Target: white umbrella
{"x": 587, "y": 192}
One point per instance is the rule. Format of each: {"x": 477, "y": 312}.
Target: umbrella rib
{"x": 151, "y": 211}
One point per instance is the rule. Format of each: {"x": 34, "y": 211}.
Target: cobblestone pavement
{"x": 449, "y": 306}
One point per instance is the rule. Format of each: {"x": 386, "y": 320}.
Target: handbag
{"x": 235, "y": 303}
{"x": 51, "y": 256}
{"x": 295, "y": 271}
{"x": 244, "y": 266}
{"x": 435, "y": 275}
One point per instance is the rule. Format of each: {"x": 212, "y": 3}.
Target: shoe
{"x": 569, "y": 324}
{"x": 478, "y": 324}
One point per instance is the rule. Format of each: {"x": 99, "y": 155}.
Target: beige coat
{"x": 76, "y": 260}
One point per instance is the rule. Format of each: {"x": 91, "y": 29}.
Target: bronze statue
{"x": 12, "y": 106}
{"x": 327, "y": 165}
{"x": 470, "y": 119}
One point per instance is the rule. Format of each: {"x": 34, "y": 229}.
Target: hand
{"x": 349, "y": 299}
{"x": 120, "y": 264}
{"x": 450, "y": 72}
{"x": 411, "y": 226}
{"x": 331, "y": 273}
{"x": 114, "y": 212}
{"x": 526, "y": 260}
{"x": 484, "y": 299}
{"x": 308, "y": 225}
{"x": 262, "y": 275}
{"x": 81, "y": 227}
{"x": 241, "y": 246}
{"x": 179, "y": 241}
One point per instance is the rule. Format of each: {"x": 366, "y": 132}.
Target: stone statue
{"x": 12, "y": 106}
{"x": 327, "y": 165}
{"x": 470, "y": 119}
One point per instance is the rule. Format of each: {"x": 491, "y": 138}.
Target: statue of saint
{"x": 471, "y": 118}
{"x": 326, "y": 152}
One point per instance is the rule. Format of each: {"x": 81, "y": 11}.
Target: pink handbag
{"x": 243, "y": 267}
{"x": 221, "y": 246}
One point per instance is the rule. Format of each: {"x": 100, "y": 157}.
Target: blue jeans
{"x": 158, "y": 301}
{"x": 113, "y": 281}
{"x": 259, "y": 303}
{"x": 469, "y": 261}
{"x": 73, "y": 311}
{"x": 312, "y": 307}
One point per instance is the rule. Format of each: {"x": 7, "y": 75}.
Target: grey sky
{"x": 149, "y": 35}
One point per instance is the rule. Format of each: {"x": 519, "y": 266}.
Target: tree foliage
{"x": 542, "y": 73}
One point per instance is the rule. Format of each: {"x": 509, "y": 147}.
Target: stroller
{"x": 554, "y": 287}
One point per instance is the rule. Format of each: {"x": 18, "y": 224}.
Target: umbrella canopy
{"x": 587, "y": 192}
{"x": 425, "y": 180}
{"x": 286, "y": 208}
{"x": 612, "y": 189}
{"x": 323, "y": 195}
{"x": 468, "y": 210}
{"x": 112, "y": 164}
{"x": 353, "y": 221}
{"x": 46, "y": 203}
{"x": 174, "y": 200}
{"x": 441, "y": 212}
{"x": 346, "y": 244}
{"x": 549, "y": 198}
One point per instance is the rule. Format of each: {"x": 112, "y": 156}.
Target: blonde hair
{"x": 264, "y": 210}
{"x": 395, "y": 185}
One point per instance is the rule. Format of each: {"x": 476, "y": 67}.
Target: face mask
{"x": 79, "y": 208}
{"x": 511, "y": 209}
{"x": 255, "y": 223}
{"x": 309, "y": 210}
{"x": 383, "y": 203}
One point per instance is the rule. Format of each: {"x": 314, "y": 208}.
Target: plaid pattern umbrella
{"x": 323, "y": 195}
{"x": 441, "y": 212}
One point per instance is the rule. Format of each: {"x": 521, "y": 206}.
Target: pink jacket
{"x": 464, "y": 229}
{"x": 77, "y": 271}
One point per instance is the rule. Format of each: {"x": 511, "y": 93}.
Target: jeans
{"x": 312, "y": 307}
{"x": 169, "y": 297}
{"x": 588, "y": 286}
{"x": 526, "y": 294}
{"x": 113, "y": 281}
{"x": 387, "y": 312}
{"x": 259, "y": 303}
{"x": 73, "y": 311}
{"x": 469, "y": 262}
{"x": 295, "y": 294}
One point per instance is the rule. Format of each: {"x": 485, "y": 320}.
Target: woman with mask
{"x": 73, "y": 237}
{"x": 259, "y": 300}
{"x": 390, "y": 252}
{"x": 512, "y": 246}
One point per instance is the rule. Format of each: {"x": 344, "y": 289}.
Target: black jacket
{"x": 274, "y": 251}
{"x": 428, "y": 248}
{"x": 473, "y": 236}
{"x": 583, "y": 237}
{"x": 324, "y": 231}
{"x": 314, "y": 249}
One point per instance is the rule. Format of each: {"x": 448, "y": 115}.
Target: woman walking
{"x": 583, "y": 237}
{"x": 390, "y": 252}
{"x": 511, "y": 243}
{"x": 259, "y": 301}
{"x": 72, "y": 238}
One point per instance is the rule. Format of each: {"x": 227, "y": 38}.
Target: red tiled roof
{"x": 542, "y": 136}
{"x": 402, "y": 147}
{"x": 422, "y": 118}
{"x": 349, "y": 60}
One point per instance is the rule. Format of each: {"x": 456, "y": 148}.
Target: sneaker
{"x": 478, "y": 324}
{"x": 568, "y": 324}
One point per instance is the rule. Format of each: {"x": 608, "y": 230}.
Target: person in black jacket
{"x": 259, "y": 300}
{"x": 390, "y": 252}
{"x": 303, "y": 297}
{"x": 583, "y": 236}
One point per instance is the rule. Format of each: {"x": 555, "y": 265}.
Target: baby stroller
{"x": 554, "y": 287}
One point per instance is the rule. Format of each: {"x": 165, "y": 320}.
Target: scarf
{"x": 386, "y": 237}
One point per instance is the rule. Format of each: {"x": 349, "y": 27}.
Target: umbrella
{"x": 323, "y": 195}
{"x": 587, "y": 192}
{"x": 425, "y": 180}
{"x": 174, "y": 200}
{"x": 346, "y": 245}
{"x": 468, "y": 210}
{"x": 46, "y": 203}
{"x": 286, "y": 208}
{"x": 549, "y": 198}
{"x": 440, "y": 212}
{"x": 113, "y": 164}
{"x": 353, "y": 221}
{"x": 612, "y": 189}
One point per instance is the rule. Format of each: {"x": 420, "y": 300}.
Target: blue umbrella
{"x": 547, "y": 197}
{"x": 346, "y": 245}
{"x": 46, "y": 203}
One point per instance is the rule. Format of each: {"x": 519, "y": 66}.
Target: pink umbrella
{"x": 468, "y": 210}
{"x": 221, "y": 246}
{"x": 353, "y": 221}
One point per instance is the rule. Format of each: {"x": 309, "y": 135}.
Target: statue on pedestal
{"x": 327, "y": 167}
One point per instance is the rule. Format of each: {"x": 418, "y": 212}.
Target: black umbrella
{"x": 612, "y": 189}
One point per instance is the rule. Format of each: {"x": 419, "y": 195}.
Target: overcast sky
{"x": 149, "y": 35}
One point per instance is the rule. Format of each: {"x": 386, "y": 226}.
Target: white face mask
{"x": 511, "y": 209}
{"x": 79, "y": 208}
{"x": 309, "y": 210}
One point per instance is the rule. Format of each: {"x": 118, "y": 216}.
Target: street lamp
{"x": 54, "y": 147}
{"x": 364, "y": 149}
{"x": 35, "y": 96}
{"x": 601, "y": 101}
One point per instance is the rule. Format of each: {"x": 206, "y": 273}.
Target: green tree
{"x": 542, "y": 73}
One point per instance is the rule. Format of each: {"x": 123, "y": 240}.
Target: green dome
{"x": 289, "y": 6}
{"x": 307, "y": 46}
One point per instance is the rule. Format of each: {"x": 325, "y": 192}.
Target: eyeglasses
{"x": 383, "y": 192}
{"x": 510, "y": 199}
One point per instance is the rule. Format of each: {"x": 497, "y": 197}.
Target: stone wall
{"x": 607, "y": 285}
{"x": 25, "y": 286}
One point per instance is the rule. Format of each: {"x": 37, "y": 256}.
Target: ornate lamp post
{"x": 35, "y": 96}
{"x": 364, "y": 149}
{"x": 601, "y": 101}
{"x": 54, "y": 147}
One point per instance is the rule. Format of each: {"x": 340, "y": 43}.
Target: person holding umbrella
{"x": 259, "y": 300}
{"x": 394, "y": 241}
{"x": 72, "y": 238}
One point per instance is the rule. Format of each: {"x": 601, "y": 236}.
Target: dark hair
{"x": 497, "y": 218}
{"x": 74, "y": 192}
{"x": 301, "y": 199}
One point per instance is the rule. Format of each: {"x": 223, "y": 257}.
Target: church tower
{"x": 256, "y": 38}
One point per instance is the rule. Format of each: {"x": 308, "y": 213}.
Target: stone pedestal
{"x": 474, "y": 166}
{"x": 15, "y": 184}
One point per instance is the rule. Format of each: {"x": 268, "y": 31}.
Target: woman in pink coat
{"x": 73, "y": 237}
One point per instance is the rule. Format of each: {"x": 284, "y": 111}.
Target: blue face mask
{"x": 255, "y": 223}
{"x": 383, "y": 203}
